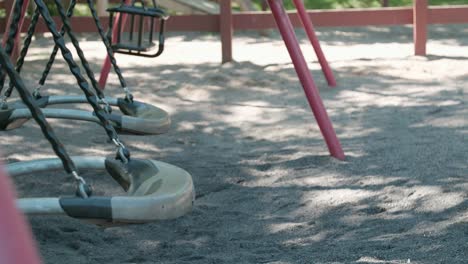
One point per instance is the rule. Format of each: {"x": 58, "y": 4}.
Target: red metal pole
{"x": 420, "y": 15}
{"x": 106, "y": 67}
{"x": 24, "y": 9}
{"x": 16, "y": 244}
{"x": 287, "y": 31}
{"x": 9, "y": 6}
{"x": 309, "y": 29}
{"x": 226, "y": 30}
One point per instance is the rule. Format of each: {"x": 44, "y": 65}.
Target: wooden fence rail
{"x": 420, "y": 15}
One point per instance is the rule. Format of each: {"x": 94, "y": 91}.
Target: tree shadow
{"x": 267, "y": 191}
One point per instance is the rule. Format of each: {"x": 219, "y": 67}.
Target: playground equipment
{"x": 137, "y": 46}
{"x": 138, "y": 118}
{"x": 287, "y": 31}
{"x": 155, "y": 190}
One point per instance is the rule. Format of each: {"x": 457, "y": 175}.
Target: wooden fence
{"x": 420, "y": 15}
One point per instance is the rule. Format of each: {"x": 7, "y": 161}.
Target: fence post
{"x": 226, "y": 30}
{"x": 420, "y": 15}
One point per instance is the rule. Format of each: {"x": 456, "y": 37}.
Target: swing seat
{"x": 135, "y": 48}
{"x": 140, "y": 11}
{"x": 138, "y": 118}
{"x": 155, "y": 191}
{"x": 138, "y": 46}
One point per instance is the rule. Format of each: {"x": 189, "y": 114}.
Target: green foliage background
{"x": 332, "y": 4}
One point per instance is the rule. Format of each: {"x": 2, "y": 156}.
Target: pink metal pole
{"x": 106, "y": 67}
{"x": 20, "y": 27}
{"x": 16, "y": 244}
{"x": 287, "y": 31}
{"x": 309, "y": 29}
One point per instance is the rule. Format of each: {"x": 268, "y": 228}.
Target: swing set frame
{"x": 286, "y": 29}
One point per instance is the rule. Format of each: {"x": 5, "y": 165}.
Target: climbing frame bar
{"x": 287, "y": 32}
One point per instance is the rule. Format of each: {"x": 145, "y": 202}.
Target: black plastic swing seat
{"x": 133, "y": 47}
{"x": 138, "y": 118}
{"x": 141, "y": 11}
{"x": 155, "y": 191}
{"x": 138, "y": 45}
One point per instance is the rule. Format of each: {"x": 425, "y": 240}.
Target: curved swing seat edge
{"x": 172, "y": 197}
{"x": 139, "y": 118}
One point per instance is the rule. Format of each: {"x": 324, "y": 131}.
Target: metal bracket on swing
{"x": 137, "y": 45}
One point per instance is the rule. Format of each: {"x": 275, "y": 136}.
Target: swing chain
{"x": 122, "y": 152}
{"x": 83, "y": 190}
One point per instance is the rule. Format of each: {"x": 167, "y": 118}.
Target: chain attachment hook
{"x": 37, "y": 92}
{"x": 122, "y": 152}
{"x": 83, "y": 190}
{"x": 107, "y": 106}
{"x": 3, "y": 102}
{"x": 128, "y": 95}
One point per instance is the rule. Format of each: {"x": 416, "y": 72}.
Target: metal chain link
{"x": 36, "y": 113}
{"x": 24, "y": 50}
{"x": 52, "y": 57}
{"x": 107, "y": 43}
{"x": 76, "y": 44}
{"x": 75, "y": 70}
{"x": 83, "y": 190}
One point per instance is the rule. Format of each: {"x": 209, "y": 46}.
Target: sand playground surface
{"x": 267, "y": 191}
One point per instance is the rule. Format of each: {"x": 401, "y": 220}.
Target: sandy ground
{"x": 267, "y": 191}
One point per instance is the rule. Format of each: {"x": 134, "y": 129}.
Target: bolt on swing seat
{"x": 155, "y": 191}
{"x": 138, "y": 45}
